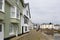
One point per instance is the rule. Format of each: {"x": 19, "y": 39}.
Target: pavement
{"x": 33, "y": 35}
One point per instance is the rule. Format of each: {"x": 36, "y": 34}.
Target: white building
{"x": 46, "y": 25}
{"x": 27, "y": 18}
{"x": 30, "y": 25}
{"x": 57, "y": 26}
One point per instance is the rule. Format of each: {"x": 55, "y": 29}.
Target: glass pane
{"x": 12, "y": 14}
{"x": 12, "y": 11}
{"x": 27, "y": 12}
{"x": 0, "y": 4}
{"x": 18, "y": 13}
{"x": 0, "y": 28}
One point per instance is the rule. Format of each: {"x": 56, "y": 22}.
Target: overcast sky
{"x": 45, "y": 11}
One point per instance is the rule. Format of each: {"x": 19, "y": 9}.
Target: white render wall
{"x": 22, "y": 22}
{"x": 56, "y": 27}
{"x": 46, "y": 26}
{"x": 25, "y": 25}
{"x": 25, "y": 13}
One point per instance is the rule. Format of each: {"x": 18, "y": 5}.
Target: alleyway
{"x": 33, "y": 35}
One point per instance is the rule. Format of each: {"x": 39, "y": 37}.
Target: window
{"x": 1, "y": 5}
{"x": 25, "y": 20}
{"x": 13, "y": 11}
{"x": 0, "y": 28}
{"x": 26, "y": 28}
{"x": 11, "y": 29}
{"x": 18, "y": 14}
{"x": 27, "y": 13}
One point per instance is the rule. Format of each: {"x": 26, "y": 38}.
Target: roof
{"x": 56, "y": 25}
{"x": 22, "y": 1}
{"x": 46, "y": 24}
{"x": 26, "y": 4}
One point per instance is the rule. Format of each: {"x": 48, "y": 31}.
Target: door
{"x": 22, "y": 30}
{"x": 1, "y": 32}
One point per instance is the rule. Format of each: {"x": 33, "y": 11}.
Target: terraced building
{"x": 10, "y": 18}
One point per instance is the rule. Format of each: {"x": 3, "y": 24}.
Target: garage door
{"x": 1, "y": 32}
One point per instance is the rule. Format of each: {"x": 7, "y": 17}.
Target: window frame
{"x": 14, "y": 12}
{"x": 3, "y": 5}
{"x": 18, "y": 13}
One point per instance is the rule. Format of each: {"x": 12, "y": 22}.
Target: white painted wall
{"x": 26, "y": 25}
{"x": 29, "y": 24}
{"x": 46, "y": 26}
{"x": 22, "y": 22}
{"x": 56, "y": 27}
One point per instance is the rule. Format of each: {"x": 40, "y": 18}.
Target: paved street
{"x": 33, "y": 35}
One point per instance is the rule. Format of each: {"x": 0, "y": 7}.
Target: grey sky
{"x": 45, "y": 11}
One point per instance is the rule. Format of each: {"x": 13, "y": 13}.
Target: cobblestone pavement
{"x": 33, "y": 35}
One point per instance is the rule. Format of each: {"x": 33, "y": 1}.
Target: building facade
{"x": 27, "y": 18}
{"x": 57, "y": 27}
{"x": 10, "y": 18}
{"x": 46, "y": 26}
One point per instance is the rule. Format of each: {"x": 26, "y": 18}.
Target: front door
{"x": 1, "y": 32}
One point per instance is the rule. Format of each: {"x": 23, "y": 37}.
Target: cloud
{"x": 45, "y": 11}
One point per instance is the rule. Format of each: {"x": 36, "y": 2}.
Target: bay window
{"x": 15, "y": 12}
{"x": 2, "y": 5}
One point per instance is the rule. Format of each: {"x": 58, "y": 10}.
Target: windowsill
{"x": 15, "y": 18}
{"x": 2, "y": 11}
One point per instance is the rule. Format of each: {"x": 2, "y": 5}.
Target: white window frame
{"x": 3, "y": 5}
{"x": 14, "y": 13}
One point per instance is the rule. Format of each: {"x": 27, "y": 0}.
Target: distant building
{"x": 46, "y": 25}
{"x": 57, "y": 26}
{"x": 27, "y": 18}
